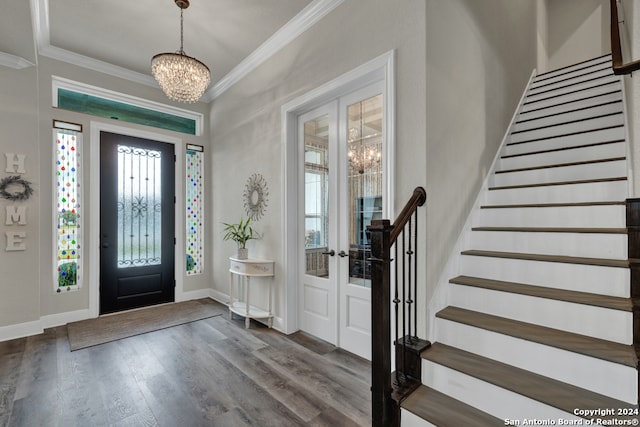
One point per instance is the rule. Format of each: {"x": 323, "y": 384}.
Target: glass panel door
{"x": 364, "y": 154}
{"x": 317, "y": 135}
{"x": 362, "y": 192}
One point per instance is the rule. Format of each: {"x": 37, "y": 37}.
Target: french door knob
{"x": 330, "y": 253}
{"x": 343, "y": 254}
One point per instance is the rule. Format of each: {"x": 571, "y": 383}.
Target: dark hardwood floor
{"x": 211, "y": 372}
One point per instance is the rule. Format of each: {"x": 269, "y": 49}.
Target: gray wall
{"x": 480, "y": 56}
{"x": 576, "y": 30}
{"x": 27, "y": 284}
{"x": 461, "y": 68}
{"x": 19, "y": 270}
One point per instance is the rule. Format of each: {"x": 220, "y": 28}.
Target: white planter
{"x": 243, "y": 253}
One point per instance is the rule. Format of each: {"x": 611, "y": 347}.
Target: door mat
{"x": 101, "y": 330}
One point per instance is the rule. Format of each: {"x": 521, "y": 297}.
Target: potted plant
{"x": 240, "y": 233}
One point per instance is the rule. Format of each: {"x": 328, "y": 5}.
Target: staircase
{"x": 539, "y": 327}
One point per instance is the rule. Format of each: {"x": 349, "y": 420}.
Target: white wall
{"x": 576, "y": 30}
{"x": 479, "y": 59}
{"x": 246, "y": 122}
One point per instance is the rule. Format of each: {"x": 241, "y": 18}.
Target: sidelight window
{"x": 67, "y": 206}
{"x": 194, "y": 209}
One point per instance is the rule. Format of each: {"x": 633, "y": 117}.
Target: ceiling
{"x": 121, "y": 36}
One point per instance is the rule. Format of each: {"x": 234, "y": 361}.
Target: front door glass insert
{"x": 139, "y": 207}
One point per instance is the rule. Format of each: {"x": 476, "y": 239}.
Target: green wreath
{"x": 15, "y": 196}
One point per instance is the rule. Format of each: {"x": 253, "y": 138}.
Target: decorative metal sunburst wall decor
{"x": 256, "y": 196}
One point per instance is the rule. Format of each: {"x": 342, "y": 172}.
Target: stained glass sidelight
{"x": 194, "y": 209}
{"x": 67, "y": 206}
{"x": 139, "y": 203}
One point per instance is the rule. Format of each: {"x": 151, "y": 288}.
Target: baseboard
{"x": 53, "y": 320}
{"x": 20, "y": 330}
{"x": 191, "y": 295}
{"x": 216, "y": 295}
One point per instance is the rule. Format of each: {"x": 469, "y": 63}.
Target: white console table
{"x": 244, "y": 270}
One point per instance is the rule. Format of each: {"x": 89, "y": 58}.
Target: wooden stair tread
{"x": 444, "y": 411}
{"x": 551, "y": 392}
{"x": 572, "y": 101}
{"x": 568, "y": 79}
{"x": 574, "y": 110}
{"x": 562, "y": 135}
{"x": 551, "y": 258}
{"x": 549, "y": 184}
{"x": 554, "y": 205}
{"x": 552, "y": 150}
{"x": 582, "y": 344}
{"x": 612, "y": 82}
{"x": 569, "y": 85}
{"x": 581, "y": 66}
{"x": 561, "y": 165}
{"x": 516, "y": 132}
{"x": 604, "y": 301}
{"x": 554, "y": 230}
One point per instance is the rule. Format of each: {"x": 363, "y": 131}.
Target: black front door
{"x": 137, "y": 215}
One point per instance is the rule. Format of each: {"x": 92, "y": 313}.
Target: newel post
{"x": 381, "y": 323}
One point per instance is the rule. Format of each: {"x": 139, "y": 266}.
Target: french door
{"x": 340, "y": 146}
{"x": 137, "y": 216}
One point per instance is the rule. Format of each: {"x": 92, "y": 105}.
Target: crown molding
{"x": 96, "y": 65}
{"x": 13, "y": 61}
{"x": 309, "y": 16}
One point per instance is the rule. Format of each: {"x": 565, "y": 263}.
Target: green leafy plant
{"x": 240, "y": 233}
{"x": 67, "y": 274}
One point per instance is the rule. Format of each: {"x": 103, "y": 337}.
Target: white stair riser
{"x": 582, "y": 76}
{"x": 558, "y": 119}
{"x": 408, "y": 419}
{"x": 574, "y": 277}
{"x": 569, "y": 128}
{"x": 587, "y": 245}
{"x": 610, "y": 169}
{"x": 574, "y": 193}
{"x": 563, "y": 73}
{"x": 600, "y": 376}
{"x": 580, "y": 102}
{"x": 577, "y": 140}
{"x": 553, "y": 101}
{"x": 583, "y": 154}
{"x": 598, "y": 322}
{"x": 599, "y": 216}
{"x": 489, "y": 398}
{"x": 571, "y": 89}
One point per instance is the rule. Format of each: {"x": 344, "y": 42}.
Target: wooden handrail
{"x": 619, "y": 67}
{"x": 418, "y": 198}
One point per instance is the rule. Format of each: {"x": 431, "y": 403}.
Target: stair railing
{"x": 401, "y": 238}
{"x": 618, "y": 65}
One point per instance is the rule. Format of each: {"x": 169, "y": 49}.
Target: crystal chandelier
{"x": 362, "y": 154}
{"x": 181, "y": 77}
{"x": 362, "y": 158}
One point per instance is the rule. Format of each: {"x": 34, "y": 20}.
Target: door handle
{"x": 343, "y": 254}
{"x": 330, "y": 253}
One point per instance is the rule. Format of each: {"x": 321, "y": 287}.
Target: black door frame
{"x": 93, "y": 229}
{"x": 138, "y": 283}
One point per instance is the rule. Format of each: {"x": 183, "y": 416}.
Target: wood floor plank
{"x": 209, "y": 372}
{"x": 333, "y": 384}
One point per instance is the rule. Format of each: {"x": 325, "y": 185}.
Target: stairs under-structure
{"x": 539, "y": 325}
